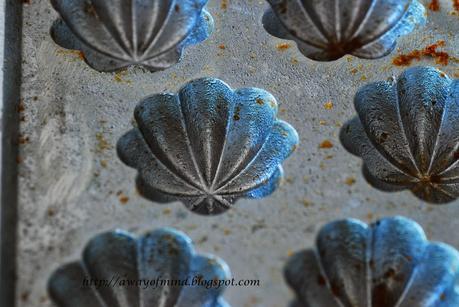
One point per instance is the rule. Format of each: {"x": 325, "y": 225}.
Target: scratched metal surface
{"x": 71, "y": 180}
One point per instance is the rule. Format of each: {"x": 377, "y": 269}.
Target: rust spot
{"x": 123, "y": 199}
{"x": 90, "y": 9}
{"x": 222, "y": 47}
{"x": 260, "y": 101}
{"x": 349, "y": 181}
{"x": 321, "y": 280}
{"x": 434, "y": 5}
{"x": 236, "y": 115}
{"x": 328, "y": 105}
{"x": 23, "y": 140}
{"x": 177, "y": 8}
{"x": 283, "y": 46}
{"x": 456, "y": 5}
{"x": 327, "y": 144}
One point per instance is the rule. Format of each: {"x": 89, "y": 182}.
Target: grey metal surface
{"x": 72, "y": 184}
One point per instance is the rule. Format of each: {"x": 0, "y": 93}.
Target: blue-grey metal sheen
{"x": 326, "y": 30}
{"x": 389, "y": 263}
{"x": 114, "y": 34}
{"x": 208, "y": 145}
{"x": 407, "y": 133}
{"x": 120, "y": 270}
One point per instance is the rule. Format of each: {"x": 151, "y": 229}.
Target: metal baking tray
{"x": 64, "y": 183}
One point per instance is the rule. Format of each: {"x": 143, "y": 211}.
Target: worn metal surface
{"x": 161, "y": 254}
{"x": 208, "y": 145}
{"x": 73, "y": 185}
{"x": 386, "y": 264}
{"x": 406, "y": 134}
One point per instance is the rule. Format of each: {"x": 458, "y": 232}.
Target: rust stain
{"x": 328, "y": 105}
{"x": 430, "y": 51}
{"x": 349, "y": 181}
{"x": 119, "y": 77}
{"x": 283, "y": 46}
{"x": 434, "y": 5}
{"x": 77, "y": 54}
{"x": 327, "y": 144}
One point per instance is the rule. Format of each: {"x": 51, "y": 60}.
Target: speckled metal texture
{"x": 208, "y": 145}
{"x": 326, "y": 30}
{"x": 386, "y": 264}
{"x": 115, "y": 258}
{"x": 72, "y": 184}
{"x": 407, "y": 134}
{"x": 114, "y": 34}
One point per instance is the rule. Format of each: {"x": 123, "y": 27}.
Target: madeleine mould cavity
{"x": 111, "y": 260}
{"x": 407, "y": 133}
{"x": 114, "y": 34}
{"x": 386, "y": 264}
{"x": 208, "y": 145}
{"x": 326, "y": 30}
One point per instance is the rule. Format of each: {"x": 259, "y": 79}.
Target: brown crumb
{"x": 456, "y": 5}
{"x": 224, "y": 4}
{"x": 222, "y": 47}
{"x": 167, "y": 211}
{"x": 327, "y": 144}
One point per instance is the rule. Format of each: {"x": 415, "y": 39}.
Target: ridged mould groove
{"x": 113, "y": 259}
{"x": 326, "y": 30}
{"x": 389, "y": 263}
{"x": 115, "y": 34}
{"x": 407, "y": 133}
{"x": 208, "y": 145}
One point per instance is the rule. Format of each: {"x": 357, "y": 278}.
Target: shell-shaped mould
{"x": 407, "y": 133}
{"x": 159, "y": 268}
{"x": 208, "y": 145}
{"x": 386, "y": 264}
{"x": 114, "y": 34}
{"x": 326, "y": 30}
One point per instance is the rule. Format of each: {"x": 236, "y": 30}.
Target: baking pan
{"x": 66, "y": 119}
